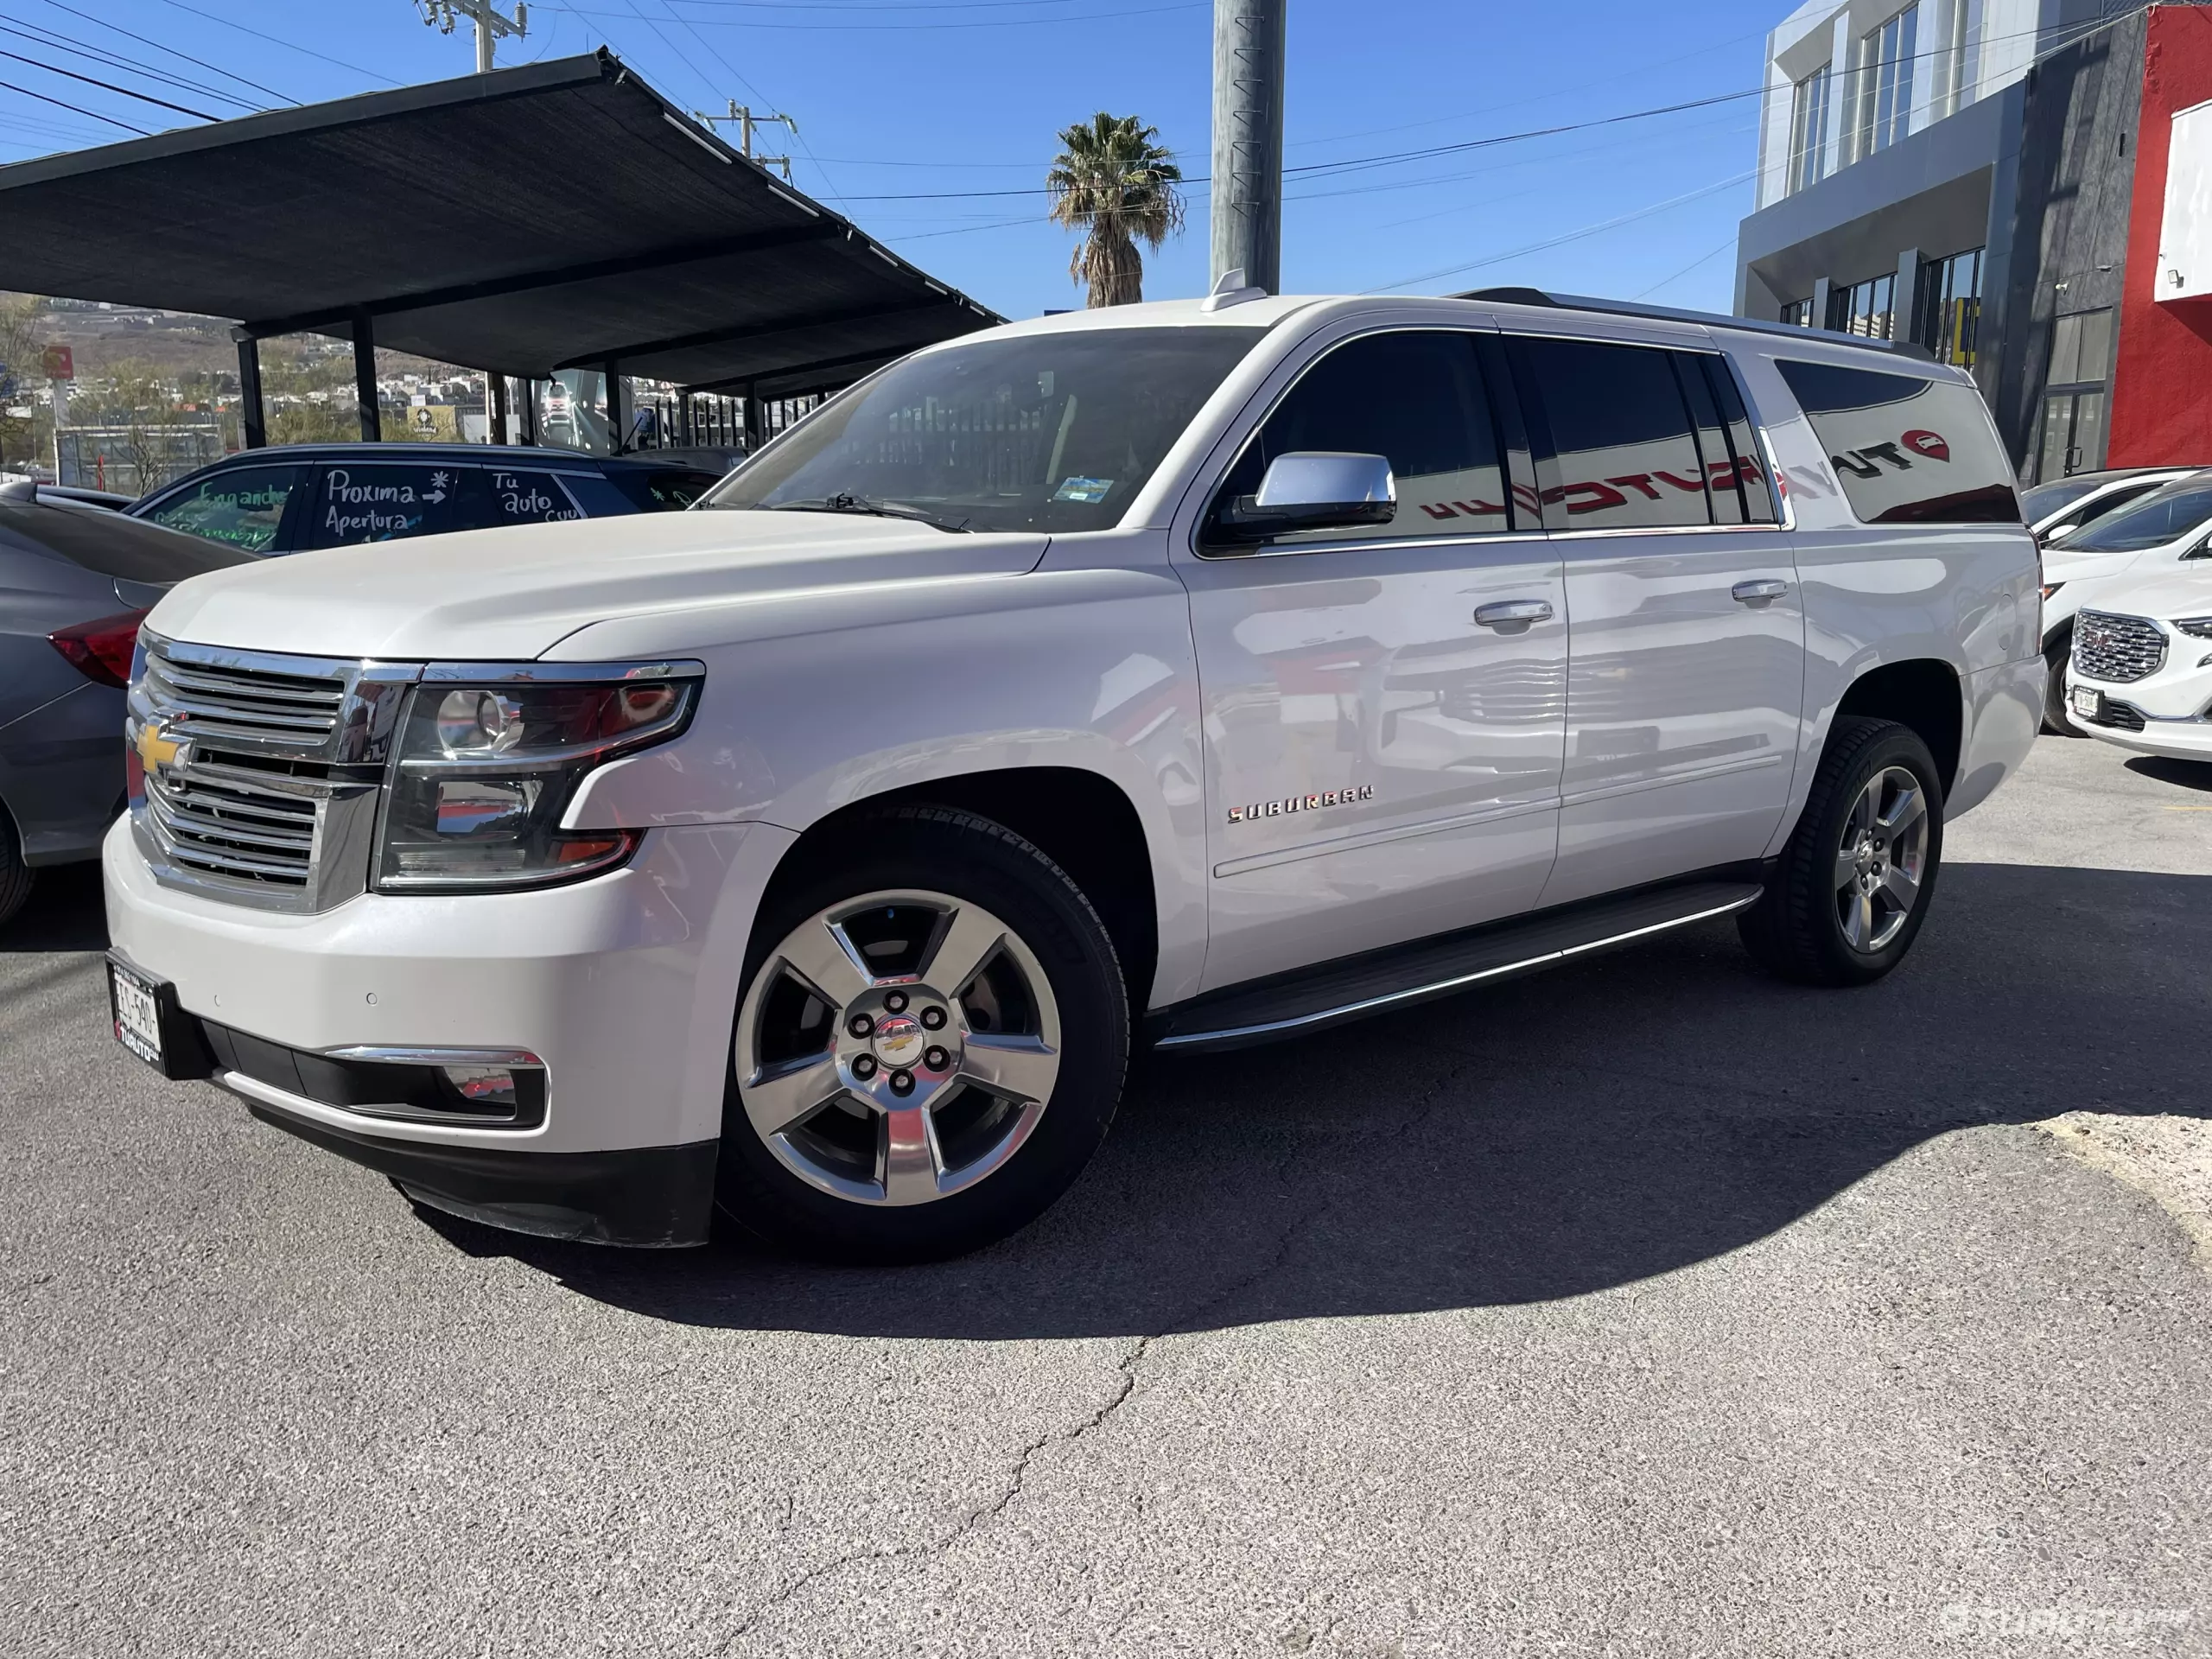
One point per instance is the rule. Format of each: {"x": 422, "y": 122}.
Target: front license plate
{"x": 2085, "y": 701}
{"x": 138, "y": 1013}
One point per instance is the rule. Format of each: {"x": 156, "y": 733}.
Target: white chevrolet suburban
{"x": 1183, "y": 675}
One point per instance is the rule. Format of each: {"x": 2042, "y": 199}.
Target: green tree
{"x": 1113, "y": 182}
{"x": 22, "y": 440}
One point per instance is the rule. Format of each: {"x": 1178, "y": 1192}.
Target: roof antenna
{"x": 1231, "y": 289}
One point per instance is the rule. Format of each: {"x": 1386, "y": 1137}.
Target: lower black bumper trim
{"x": 643, "y": 1196}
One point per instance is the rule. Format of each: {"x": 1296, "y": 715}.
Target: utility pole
{"x": 490, "y": 25}
{"x": 745, "y": 121}
{"x": 1246, "y": 221}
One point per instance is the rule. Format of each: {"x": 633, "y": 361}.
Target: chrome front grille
{"x": 220, "y": 819}
{"x": 258, "y": 775}
{"x": 2117, "y": 649}
{"x": 226, "y": 702}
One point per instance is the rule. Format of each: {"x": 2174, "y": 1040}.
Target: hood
{"x": 2059, "y": 564}
{"x": 510, "y": 594}
{"x": 2185, "y": 592}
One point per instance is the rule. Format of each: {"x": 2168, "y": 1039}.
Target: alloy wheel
{"x": 897, "y": 1047}
{"x": 1881, "y": 860}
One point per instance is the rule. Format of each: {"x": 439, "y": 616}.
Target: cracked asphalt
{"x": 1644, "y": 1308}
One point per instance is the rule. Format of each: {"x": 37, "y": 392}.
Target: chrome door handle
{"x": 1763, "y": 592}
{"x": 1513, "y": 614}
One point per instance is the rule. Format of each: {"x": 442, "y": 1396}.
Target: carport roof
{"x": 551, "y": 216}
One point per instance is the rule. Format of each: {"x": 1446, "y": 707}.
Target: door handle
{"x": 1763, "y": 592}
{"x": 1513, "y": 616}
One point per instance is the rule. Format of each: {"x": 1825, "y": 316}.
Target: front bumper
{"x": 2168, "y": 713}
{"x": 624, "y": 986}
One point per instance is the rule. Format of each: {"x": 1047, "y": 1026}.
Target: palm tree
{"x": 1114, "y": 182}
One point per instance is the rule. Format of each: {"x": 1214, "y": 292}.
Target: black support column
{"x": 253, "y": 414}
{"x": 495, "y": 407}
{"x": 617, "y": 408}
{"x": 365, "y": 378}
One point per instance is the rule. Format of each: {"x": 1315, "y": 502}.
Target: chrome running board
{"x": 1378, "y": 981}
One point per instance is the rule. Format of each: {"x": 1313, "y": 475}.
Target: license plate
{"x": 138, "y": 1013}
{"x": 2085, "y": 701}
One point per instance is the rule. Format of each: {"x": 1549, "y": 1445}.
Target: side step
{"x": 1313, "y": 999}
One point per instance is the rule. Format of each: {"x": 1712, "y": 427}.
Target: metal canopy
{"x": 557, "y": 215}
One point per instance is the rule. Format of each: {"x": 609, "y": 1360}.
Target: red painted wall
{"x": 2162, "y": 379}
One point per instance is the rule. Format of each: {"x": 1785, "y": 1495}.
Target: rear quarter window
{"x": 1907, "y": 450}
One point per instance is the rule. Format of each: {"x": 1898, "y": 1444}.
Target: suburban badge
{"x": 1300, "y": 803}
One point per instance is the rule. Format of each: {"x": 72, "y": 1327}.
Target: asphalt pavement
{"x": 1647, "y": 1306}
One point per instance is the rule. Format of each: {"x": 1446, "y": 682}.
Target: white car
{"x": 2141, "y": 675}
{"x": 2056, "y": 510}
{"x": 2162, "y": 533}
{"x": 1183, "y": 674}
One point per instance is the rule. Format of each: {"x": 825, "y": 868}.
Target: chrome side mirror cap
{"x": 1314, "y": 489}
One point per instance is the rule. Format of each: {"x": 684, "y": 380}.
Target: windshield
{"x": 2039, "y": 503}
{"x": 1053, "y": 432}
{"x": 2162, "y": 515}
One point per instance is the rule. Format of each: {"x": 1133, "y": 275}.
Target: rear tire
{"x": 15, "y": 876}
{"x": 1849, "y": 894}
{"x": 873, "y": 1115}
{"x": 2056, "y": 719}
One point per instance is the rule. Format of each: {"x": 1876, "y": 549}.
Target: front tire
{"x": 929, "y": 1047}
{"x": 1853, "y": 885}
{"x": 2057, "y": 719}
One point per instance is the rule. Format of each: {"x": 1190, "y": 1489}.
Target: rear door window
{"x": 508, "y": 495}
{"x": 1907, "y": 450}
{"x": 384, "y": 501}
{"x": 1415, "y": 399}
{"x": 240, "y": 506}
{"x": 598, "y": 498}
{"x": 1623, "y": 448}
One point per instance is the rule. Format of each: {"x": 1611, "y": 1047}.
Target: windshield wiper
{"x": 845, "y": 501}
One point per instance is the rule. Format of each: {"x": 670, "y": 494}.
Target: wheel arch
{"x": 1082, "y": 820}
{"x": 1923, "y": 694}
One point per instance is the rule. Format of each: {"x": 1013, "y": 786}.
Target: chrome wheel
{"x": 1882, "y": 860}
{"x": 898, "y": 1048}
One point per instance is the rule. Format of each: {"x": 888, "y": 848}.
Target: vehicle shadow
{"x": 65, "y": 911}
{"x": 2189, "y": 774}
{"x": 1563, "y": 1134}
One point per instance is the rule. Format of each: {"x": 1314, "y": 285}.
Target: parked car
{"x": 2054, "y": 511}
{"x": 1186, "y": 675}
{"x": 74, "y": 580}
{"x": 2141, "y": 673}
{"x": 301, "y": 495}
{"x": 75, "y": 492}
{"x": 2163, "y": 529}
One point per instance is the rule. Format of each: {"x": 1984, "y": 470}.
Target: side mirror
{"x": 1314, "y": 489}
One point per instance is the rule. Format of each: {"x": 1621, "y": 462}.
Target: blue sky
{"x": 912, "y": 113}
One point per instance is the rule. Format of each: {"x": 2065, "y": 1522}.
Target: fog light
{"x": 484, "y": 1087}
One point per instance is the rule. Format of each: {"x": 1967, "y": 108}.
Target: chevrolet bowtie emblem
{"x": 156, "y": 748}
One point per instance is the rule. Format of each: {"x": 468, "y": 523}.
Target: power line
{"x": 54, "y": 40}
{"x": 78, "y": 109}
{"x": 175, "y": 52}
{"x": 109, "y": 86}
{"x": 878, "y": 28}
{"x": 278, "y": 40}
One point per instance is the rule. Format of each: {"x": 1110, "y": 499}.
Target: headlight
{"x": 2199, "y": 625}
{"x": 486, "y": 766}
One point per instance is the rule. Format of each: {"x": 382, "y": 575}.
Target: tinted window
{"x": 1623, "y": 452}
{"x": 1415, "y": 399}
{"x": 2164, "y": 516}
{"x": 381, "y": 501}
{"x": 2047, "y": 499}
{"x": 239, "y": 506}
{"x": 662, "y": 489}
{"x": 1054, "y": 431}
{"x": 2105, "y": 506}
{"x": 508, "y": 495}
{"x": 1744, "y": 453}
{"x": 597, "y": 497}
{"x": 1907, "y": 450}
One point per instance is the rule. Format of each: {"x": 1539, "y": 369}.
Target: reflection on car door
{"x": 1380, "y": 765}
{"x": 1688, "y": 636}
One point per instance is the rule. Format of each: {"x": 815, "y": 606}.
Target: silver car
{"x": 74, "y": 580}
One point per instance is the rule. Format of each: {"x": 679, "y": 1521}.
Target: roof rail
{"x": 1710, "y": 319}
